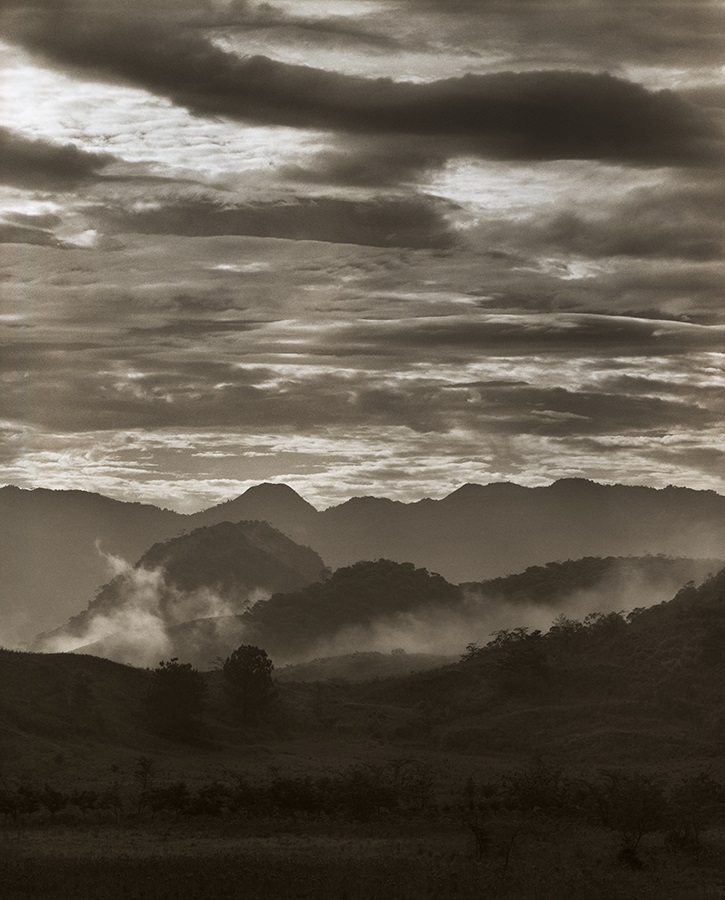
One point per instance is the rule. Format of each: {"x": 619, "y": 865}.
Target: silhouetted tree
{"x": 697, "y": 803}
{"x": 632, "y": 804}
{"x": 144, "y": 775}
{"x": 520, "y": 662}
{"x": 176, "y": 697}
{"x": 248, "y": 681}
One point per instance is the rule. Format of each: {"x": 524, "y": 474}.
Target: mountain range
{"x": 55, "y": 545}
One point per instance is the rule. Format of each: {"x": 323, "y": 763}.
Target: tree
{"x": 632, "y": 804}
{"x": 248, "y": 681}
{"x": 696, "y": 804}
{"x": 175, "y": 697}
{"x": 520, "y": 663}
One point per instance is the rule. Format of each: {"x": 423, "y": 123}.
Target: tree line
{"x": 497, "y": 811}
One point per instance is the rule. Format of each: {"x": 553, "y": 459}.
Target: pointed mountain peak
{"x": 273, "y": 490}
{"x": 275, "y": 503}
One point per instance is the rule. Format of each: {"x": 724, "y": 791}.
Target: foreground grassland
{"x": 548, "y": 859}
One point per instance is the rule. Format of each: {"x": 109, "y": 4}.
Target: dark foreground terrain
{"x": 586, "y": 762}
{"x": 530, "y": 856}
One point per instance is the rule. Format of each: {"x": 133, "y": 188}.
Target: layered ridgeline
{"x": 374, "y": 606}
{"x": 210, "y": 574}
{"x": 644, "y": 689}
{"x": 52, "y": 542}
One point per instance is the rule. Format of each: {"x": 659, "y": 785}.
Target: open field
{"x": 551, "y": 860}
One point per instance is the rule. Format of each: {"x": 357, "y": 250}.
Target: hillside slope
{"x": 51, "y": 546}
{"x": 362, "y": 666}
{"x": 211, "y": 572}
{"x": 381, "y": 605}
{"x": 645, "y": 690}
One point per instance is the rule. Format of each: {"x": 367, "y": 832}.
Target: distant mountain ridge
{"x": 50, "y": 567}
{"x": 483, "y": 531}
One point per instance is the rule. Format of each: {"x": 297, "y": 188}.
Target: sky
{"x": 360, "y": 247}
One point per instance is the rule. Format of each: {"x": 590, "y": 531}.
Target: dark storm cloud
{"x": 651, "y": 289}
{"x": 712, "y": 394}
{"x": 370, "y": 162}
{"x": 39, "y": 164}
{"x": 683, "y": 221}
{"x": 17, "y": 234}
{"x": 562, "y": 411}
{"x": 708, "y": 459}
{"x": 567, "y": 334}
{"x": 645, "y": 234}
{"x": 177, "y": 331}
{"x": 508, "y": 115}
{"x": 684, "y": 32}
{"x": 41, "y": 220}
{"x": 416, "y": 222}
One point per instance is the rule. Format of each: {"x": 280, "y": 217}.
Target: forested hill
{"x": 649, "y": 685}
{"x": 381, "y": 605}
{"x": 622, "y": 582}
{"x": 354, "y": 597}
{"x": 211, "y": 572}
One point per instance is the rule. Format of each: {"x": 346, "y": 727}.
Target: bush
{"x": 175, "y": 698}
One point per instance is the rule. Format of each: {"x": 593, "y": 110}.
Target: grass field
{"x": 419, "y": 860}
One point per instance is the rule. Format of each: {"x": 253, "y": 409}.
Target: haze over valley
{"x": 222, "y": 576}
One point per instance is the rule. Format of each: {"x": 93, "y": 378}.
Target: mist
{"x": 447, "y": 631}
{"x": 134, "y": 617}
{"x": 139, "y": 618}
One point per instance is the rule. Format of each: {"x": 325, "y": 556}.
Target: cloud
{"x": 505, "y": 115}
{"x": 18, "y": 234}
{"x": 39, "y": 164}
{"x": 599, "y": 32}
{"x": 501, "y": 335}
{"x": 412, "y": 388}
{"x": 136, "y": 612}
{"x": 344, "y": 30}
{"x": 416, "y": 222}
{"x": 361, "y": 162}
{"x": 677, "y": 220}
{"x": 34, "y": 220}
